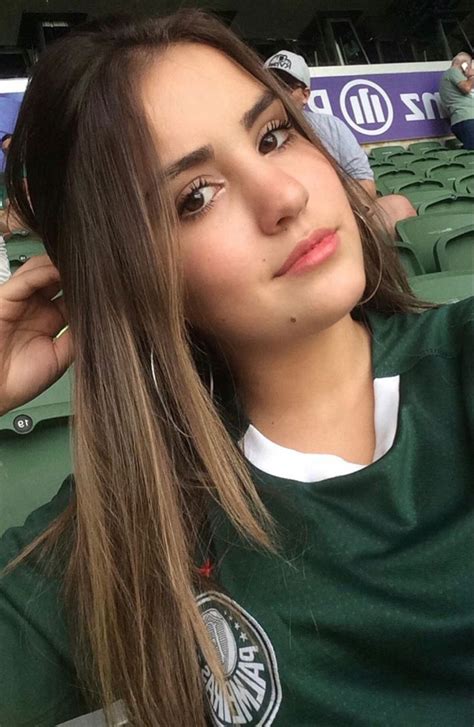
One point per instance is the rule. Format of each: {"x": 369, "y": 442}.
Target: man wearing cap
{"x": 456, "y": 92}
{"x": 335, "y": 136}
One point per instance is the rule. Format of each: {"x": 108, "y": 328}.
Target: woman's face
{"x": 257, "y": 204}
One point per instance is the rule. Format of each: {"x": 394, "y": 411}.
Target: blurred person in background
{"x": 456, "y": 87}
{"x": 293, "y": 72}
{"x": 4, "y": 264}
{"x": 5, "y": 143}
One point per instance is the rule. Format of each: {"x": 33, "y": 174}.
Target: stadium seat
{"x": 381, "y": 152}
{"x": 424, "y": 231}
{"x": 446, "y": 173}
{"x": 402, "y": 159}
{"x": 443, "y": 287}
{"x": 387, "y": 181}
{"x": 444, "y": 156}
{"x": 465, "y": 184}
{"x": 421, "y": 190}
{"x": 463, "y": 156}
{"x": 409, "y": 258}
{"x": 454, "y": 250}
{"x": 450, "y": 203}
{"x": 34, "y": 452}
{"x": 379, "y": 169}
{"x": 420, "y": 164}
{"x": 3, "y": 197}
{"x": 421, "y": 147}
{"x": 20, "y": 248}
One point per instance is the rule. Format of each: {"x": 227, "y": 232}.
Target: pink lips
{"x": 310, "y": 252}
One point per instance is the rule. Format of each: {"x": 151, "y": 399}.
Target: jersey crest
{"x": 249, "y": 664}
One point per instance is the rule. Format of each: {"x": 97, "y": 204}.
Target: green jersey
{"x": 459, "y": 105}
{"x": 366, "y": 615}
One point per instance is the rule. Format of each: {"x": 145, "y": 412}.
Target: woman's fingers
{"x": 37, "y": 275}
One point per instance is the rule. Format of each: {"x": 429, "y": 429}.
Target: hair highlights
{"x": 151, "y": 452}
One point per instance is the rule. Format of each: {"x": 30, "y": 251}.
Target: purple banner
{"x": 383, "y": 106}
{"x": 9, "y": 107}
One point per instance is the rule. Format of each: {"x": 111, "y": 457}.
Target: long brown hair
{"x": 148, "y": 459}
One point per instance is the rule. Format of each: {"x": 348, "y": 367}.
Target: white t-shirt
{"x": 4, "y": 264}
{"x": 341, "y": 144}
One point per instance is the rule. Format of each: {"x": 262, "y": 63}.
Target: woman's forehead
{"x": 191, "y": 90}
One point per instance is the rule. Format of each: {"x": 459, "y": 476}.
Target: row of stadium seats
{"x": 436, "y": 247}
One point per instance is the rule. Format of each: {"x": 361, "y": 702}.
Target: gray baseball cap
{"x": 291, "y": 63}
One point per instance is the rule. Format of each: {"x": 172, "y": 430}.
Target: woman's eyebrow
{"x": 198, "y": 156}
{"x": 250, "y": 116}
{"x": 206, "y": 153}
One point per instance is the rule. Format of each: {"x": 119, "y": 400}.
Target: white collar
{"x": 290, "y": 464}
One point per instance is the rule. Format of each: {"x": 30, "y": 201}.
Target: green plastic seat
{"x": 402, "y": 159}
{"x": 446, "y": 173}
{"x": 465, "y": 184}
{"x": 451, "y": 203}
{"x": 20, "y": 248}
{"x": 381, "y": 152}
{"x": 453, "y": 143}
{"x": 421, "y": 190}
{"x": 387, "y": 181}
{"x": 421, "y": 163}
{"x": 444, "y": 156}
{"x": 379, "y": 169}
{"x": 409, "y": 258}
{"x": 460, "y": 155}
{"x": 34, "y": 452}
{"x": 454, "y": 250}
{"x": 421, "y": 147}
{"x": 3, "y": 197}
{"x": 424, "y": 231}
{"x": 443, "y": 287}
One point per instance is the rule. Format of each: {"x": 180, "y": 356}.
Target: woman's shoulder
{"x": 37, "y": 676}
{"x": 15, "y": 539}
{"x": 401, "y": 340}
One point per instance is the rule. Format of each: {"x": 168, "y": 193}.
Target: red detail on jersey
{"x": 206, "y": 569}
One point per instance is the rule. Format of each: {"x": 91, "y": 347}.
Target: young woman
{"x": 271, "y": 505}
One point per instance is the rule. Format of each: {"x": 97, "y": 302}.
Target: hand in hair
{"x": 31, "y": 355}
{"x": 10, "y": 222}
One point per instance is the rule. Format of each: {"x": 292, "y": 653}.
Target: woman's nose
{"x": 276, "y": 196}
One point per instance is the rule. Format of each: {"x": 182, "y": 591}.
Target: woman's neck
{"x": 315, "y": 395}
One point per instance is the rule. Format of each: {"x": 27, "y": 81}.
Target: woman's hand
{"x": 31, "y": 358}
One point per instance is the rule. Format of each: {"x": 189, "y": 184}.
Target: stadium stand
{"x": 443, "y": 287}
{"x": 385, "y": 151}
{"x": 436, "y": 247}
{"x": 423, "y": 232}
{"x": 449, "y": 203}
{"x": 421, "y": 190}
{"x": 465, "y": 184}
{"x": 454, "y": 251}
{"x": 34, "y": 446}
{"x": 410, "y": 260}
{"x": 446, "y": 173}
{"x": 21, "y": 247}
{"x": 420, "y": 147}
{"x": 421, "y": 163}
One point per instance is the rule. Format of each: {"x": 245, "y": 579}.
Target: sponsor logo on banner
{"x": 249, "y": 664}
{"x": 366, "y": 107}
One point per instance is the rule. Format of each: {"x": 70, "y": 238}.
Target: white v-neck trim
{"x": 290, "y": 464}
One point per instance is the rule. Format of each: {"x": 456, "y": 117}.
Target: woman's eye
{"x": 274, "y": 139}
{"x": 197, "y": 200}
